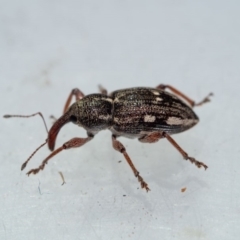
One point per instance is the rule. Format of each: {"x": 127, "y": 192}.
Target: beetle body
{"x": 132, "y": 113}
{"x": 140, "y": 111}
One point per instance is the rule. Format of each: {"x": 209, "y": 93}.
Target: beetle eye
{"x": 73, "y": 119}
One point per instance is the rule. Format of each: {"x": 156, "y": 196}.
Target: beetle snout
{"x": 53, "y": 132}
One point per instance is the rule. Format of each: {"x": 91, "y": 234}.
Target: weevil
{"x": 148, "y": 114}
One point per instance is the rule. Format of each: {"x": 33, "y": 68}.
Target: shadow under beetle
{"x": 148, "y": 114}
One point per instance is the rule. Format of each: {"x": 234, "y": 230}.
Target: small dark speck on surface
{"x": 183, "y": 189}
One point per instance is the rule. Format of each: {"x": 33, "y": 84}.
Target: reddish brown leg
{"x": 151, "y": 138}
{"x": 78, "y": 95}
{"x": 189, "y": 100}
{"x": 184, "y": 154}
{"x": 120, "y": 148}
{"x": 102, "y": 90}
{"x": 73, "y": 143}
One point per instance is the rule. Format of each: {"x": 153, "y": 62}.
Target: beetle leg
{"x": 184, "y": 154}
{"x": 155, "y": 136}
{"x": 151, "y": 138}
{"x": 102, "y": 90}
{"x": 78, "y": 95}
{"x": 120, "y": 148}
{"x": 73, "y": 143}
{"x": 189, "y": 100}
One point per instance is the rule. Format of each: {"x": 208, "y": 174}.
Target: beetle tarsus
{"x": 205, "y": 100}
{"x": 143, "y": 183}
{"x": 197, "y": 163}
{"x": 33, "y": 171}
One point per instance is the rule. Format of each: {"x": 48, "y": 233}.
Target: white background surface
{"x": 49, "y": 47}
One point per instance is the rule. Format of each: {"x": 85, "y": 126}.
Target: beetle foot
{"x": 205, "y": 100}
{"x": 143, "y": 183}
{"x": 36, "y": 170}
{"x": 197, "y": 163}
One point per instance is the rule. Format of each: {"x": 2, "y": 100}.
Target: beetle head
{"x": 67, "y": 117}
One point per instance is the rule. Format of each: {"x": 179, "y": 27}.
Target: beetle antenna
{"x": 25, "y": 163}
{"x": 28, "y": 116}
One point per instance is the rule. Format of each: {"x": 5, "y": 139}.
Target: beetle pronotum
{"x": 148, "y": 114}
